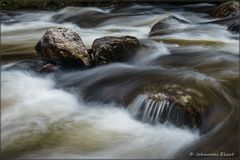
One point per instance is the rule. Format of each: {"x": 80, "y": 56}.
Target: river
{"x": 92, "y": 113}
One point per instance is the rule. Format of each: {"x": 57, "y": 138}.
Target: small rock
{"x": 230, "y": 8}
{"x": 170, "y": 23}
{"x": 113, "y": 49}
{"x": 63, "y": 46}
{"x": 235, "y": 26}
{"x": 47, "y": 68}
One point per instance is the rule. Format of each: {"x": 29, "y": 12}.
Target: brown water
{"x": 95, "y": 113}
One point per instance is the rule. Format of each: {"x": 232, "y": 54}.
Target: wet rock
{"x": 184, "y": 106}
{"x": 83, "y": 19}
{"x": 235, "y": 26}
{"x": 63, "y": 46}
{"x": 181, "y": 106}
{"x": 230, "y": 8}
{"x": 47, "y": 68}
{"x": 8, "y": 17}
{"x": 29, "y": 65}
{"x": 229, "y": 12}
{"x": 4, "y": 16}
{"x": 167, "y": 25}
{"x": 112, "y": 49}
{"x": 199, "y": 7}
{"x": 87, "y": 17}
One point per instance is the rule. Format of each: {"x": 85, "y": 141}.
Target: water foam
{"x": 40, "y": 121}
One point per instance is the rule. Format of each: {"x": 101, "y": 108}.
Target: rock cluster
{"x": 64, "y": 46}
{"x": 228, "y": 14}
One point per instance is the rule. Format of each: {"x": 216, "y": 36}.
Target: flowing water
{"x": 105, "y": 112}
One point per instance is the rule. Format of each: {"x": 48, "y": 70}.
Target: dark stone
{"x": 29, "y": 65}
{"x": 85, "y": 19}
{"x": 7, "y": 18}
{"x": 200, "y": 7}
{"x": 230, "y": 8}
{"x": 47, "y": 68}
{"x": 113, "y": 49}
{"x": 183, "y": 107}
{"x": 63, "y": 46}
{"x": 235, "y": 26}
{"x": 163, "y": 25}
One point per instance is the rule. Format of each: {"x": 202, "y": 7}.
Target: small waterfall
{"x": 40, "y": 121}
{"x": 159, "y": 110}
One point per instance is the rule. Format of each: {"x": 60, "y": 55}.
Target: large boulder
{"x": 113, "y": 49}
{"x": 230, "y": 8}
{"x": 63, "y": 46}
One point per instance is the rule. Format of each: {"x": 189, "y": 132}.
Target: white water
{"x": 52, "y": 123}
{"x": 33, "y": 25}
{"x": 31, "y": 106}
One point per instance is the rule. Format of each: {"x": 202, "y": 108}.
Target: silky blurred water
{"x": 42, "y": 119}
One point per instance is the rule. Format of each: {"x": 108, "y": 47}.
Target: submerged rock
{"x": 167, "y": 25}
{"x": 36, "y": 66}
{"x": 7, "y": 18}
{"x": 48, "y": 68}
{"x": 230, "y": 8}
{"x": 86, "y": 18}
{"x": 63, "y": 46}
{"x": 235, "y": 26}
{"x": 112, "y": 49}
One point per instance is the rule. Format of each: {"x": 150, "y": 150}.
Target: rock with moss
{"x": 63, "y": 46}
{"x": 230, "y": 8}
{"x": 178, "y": 105}
{"x": 114, "y": 49}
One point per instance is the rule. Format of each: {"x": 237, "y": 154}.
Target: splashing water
{"x": 44, "y": 122}
{"x": 102, "y": 112}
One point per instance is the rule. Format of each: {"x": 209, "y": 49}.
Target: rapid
{"x": 105, "y": 112}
